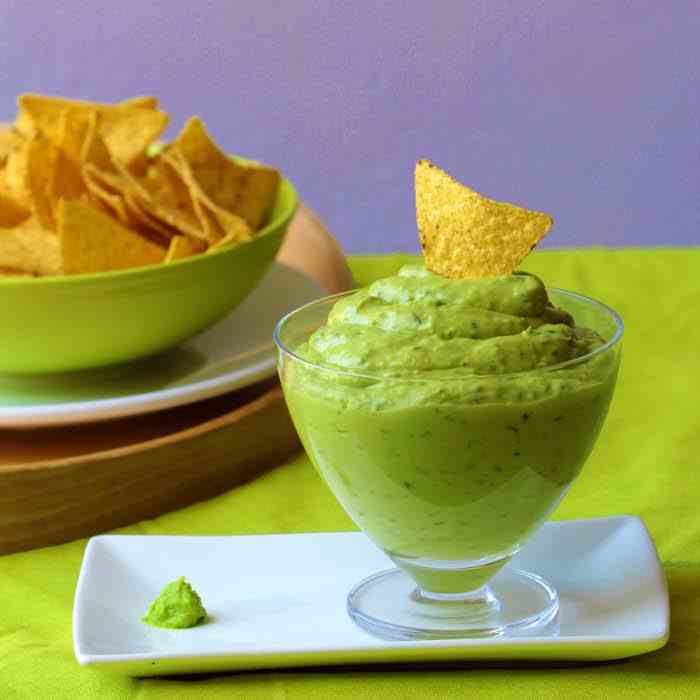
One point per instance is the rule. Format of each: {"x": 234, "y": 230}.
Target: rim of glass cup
{"x": 614, "y": 340}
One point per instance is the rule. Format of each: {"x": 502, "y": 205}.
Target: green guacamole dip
{"x": 177, "y": 606}
{"x": 462, "y": 435}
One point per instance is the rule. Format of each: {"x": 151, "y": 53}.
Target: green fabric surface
{"x": 645, "y": 463}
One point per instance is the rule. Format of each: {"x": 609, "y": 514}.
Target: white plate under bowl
{"x": 279, "y": 601}
{"x": 236, "y": 352}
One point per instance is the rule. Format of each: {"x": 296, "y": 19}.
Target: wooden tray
{"x": 65, "y": 483}
{"x": 58, "y": 484}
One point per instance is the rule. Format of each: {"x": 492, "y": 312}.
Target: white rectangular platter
{"x": 279, "y": 601}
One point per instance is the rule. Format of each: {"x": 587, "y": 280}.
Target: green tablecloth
{"x": 646, "y": 463}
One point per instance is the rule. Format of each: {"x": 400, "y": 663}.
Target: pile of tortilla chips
{"x": 464, "y": 234}
{"x": 79, "y": 192}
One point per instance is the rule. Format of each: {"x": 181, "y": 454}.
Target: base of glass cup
{"x": 389, "y": 605}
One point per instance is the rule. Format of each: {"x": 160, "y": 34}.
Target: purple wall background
{"x": 588, "y": 110}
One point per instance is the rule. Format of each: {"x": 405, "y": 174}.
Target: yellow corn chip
{"x": 225, "y": 223}
{"x": 91, "y": 241}
{"x": 147, "y": 221}
{"x": 464, "y": 234}
{"x": 10, "y": 272}
{"x": 16, "y": 175}
{"x": 56, "y": 168}
{"x": 171, "y": 171}
{"x": 24, "y": 125}
{"x": 139, "y": 164}
{"x": 166, "y": 186}
{"x": 127, "y": 130}
{"x": 245, "y": 190}
{"x": 217, "y": 221}
{"x": 11, "y": 212}
{"x": 163, "y": 180}
{"x": 229, "y": 240}
{"x": 30, "y": 171}
{"x": 112, "y": 181}
{"x": 30, "y": 248}
{"x": 87, "y": 187}
{"x": 182, "y": 247}
{"x": 39, "y": 113}
{"x": 122, "y": 194}
{"x": 9, "y": 140}
{"x": 102, "y": 195}
{"x": 94, "y": 151}
{"x": 159, "y": 204}
{"x": 234, "y": 227}
{"x": 142, "y": 102}
{"x": 132, "y": 189}
{"x": 104, "y": 184}
{"x": 182, "y": 220}
{"x": 125, "y": 209}
{"x": 66, "y": 180}
{"x": 74, "y": 126}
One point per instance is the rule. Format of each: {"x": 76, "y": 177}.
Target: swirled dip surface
{"x": 441, "y": 416}
{"x": 422, "y": 326}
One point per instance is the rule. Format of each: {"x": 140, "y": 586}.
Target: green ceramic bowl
{"x": 56, "y": 324}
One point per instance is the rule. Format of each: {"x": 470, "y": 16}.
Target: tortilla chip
{"x": 30, "y": 248}
{"x": 165, "y": 183}
{"x": 102, "y": 180}
{"x": 10, "y": 272}
{"x": 38, "y": 173}
{"x": 140, "y": 163}
{"x": 148, "y": 222}
{"x": 183, "y": 220}
{"x": 145, "y": 195}
{"x": 9, "y": 140}
{"x": 245, "y": 190}
{"x": 142, "y": 102}
{"x": 119, "y": 207}
{"x": 115, "y": 192}
{"x": 39, "y": 113}
{"x": 11, "y": 212}
{"x": 74, "y": 126}
{"x": 66, "y": 179}
{"x": 464, "y": 234}
{"x": 127, "y": 130}
{"x": 230, "y": 240}
{"x": 234, "y": 227}
{"x": 109, "y": 179}
{"x": 94, "y": 150}
{"x": 182, "y": 247}
{"x": 168, "y": 187}
{"x": 217, "y": 222}
{"x": 24, "y": 125}
{"x": 16, "y": 176}
{"x": 31, "y": 171}
{"x": 169, "y": 171}
{"x": 91, "y": 241}
{"x": 103, "y": 196}
{"x": 95, "y": 178}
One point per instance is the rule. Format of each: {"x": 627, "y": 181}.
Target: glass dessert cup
{"x": 450, "y": 474}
